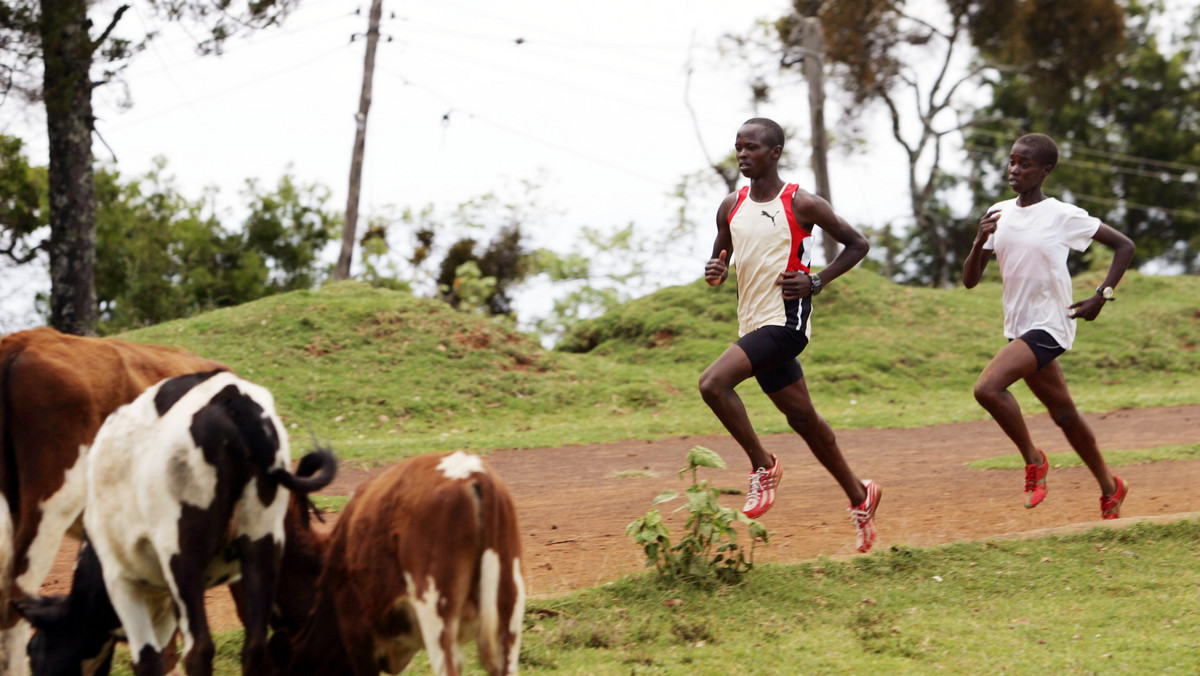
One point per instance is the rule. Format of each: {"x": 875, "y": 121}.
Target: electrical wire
{"x": 1112, "y": 168}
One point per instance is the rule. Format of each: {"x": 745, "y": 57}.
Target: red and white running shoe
{"x": 863, "y": 516}
{"x": 761, "y": 495}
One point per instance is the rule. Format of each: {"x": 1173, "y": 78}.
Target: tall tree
{"x": 49, "y": 54}
{"x": 1129, "y": 135}
{"x": 916, "y": 65}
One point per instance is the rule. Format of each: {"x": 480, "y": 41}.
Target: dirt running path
{"x": 574, "y": 506}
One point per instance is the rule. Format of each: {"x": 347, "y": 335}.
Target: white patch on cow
{"x": 459, "y": 465}
{"x": 490, "y": 651}
{"x": 12, "y": 641}
{"x": 516, "y": 622}
{"x": 59, "y": 512}
{"x": 6, "y": 550}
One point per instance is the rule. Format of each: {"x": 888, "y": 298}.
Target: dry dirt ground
{"x": 575, "y": 502}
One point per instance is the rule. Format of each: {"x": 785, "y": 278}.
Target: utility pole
{"x": 350, "y": 228}
{"x": 814, "y": 73}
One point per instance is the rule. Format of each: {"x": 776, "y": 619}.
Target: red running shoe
{"x": 1035, "y": 482}
{"x": 1110, "y": 505}
{"x": 863, "y": 516}
{"x": 761, "y": 495}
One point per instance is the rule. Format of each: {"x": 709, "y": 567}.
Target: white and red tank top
{"x": 767, "y": 240}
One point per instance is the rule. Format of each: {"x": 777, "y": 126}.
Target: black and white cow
{"x": 183, "y": 493}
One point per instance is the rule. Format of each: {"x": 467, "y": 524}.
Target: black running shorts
{"x": 772, "y": 351}
{"x": 1045, "y": 348}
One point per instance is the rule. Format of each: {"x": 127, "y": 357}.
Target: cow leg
{"x": 187, "y": 591}
{"x": 501, "y": 611}
{"x": 13, "y": 660}
{"x": 260, "y": 573}
{"x": 137, "y": 617}
{"x": 438, "y": 619}
{"x": 357, "y": 636}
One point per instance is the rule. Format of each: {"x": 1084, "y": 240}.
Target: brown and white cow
{"x": 427, "y": 554}
{"x": 185, "y": 490}
{"x": 55, "y": 392}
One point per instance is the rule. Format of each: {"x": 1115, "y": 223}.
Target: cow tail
{"x": 317, "y": 469}
{"x": 501, "y": 585}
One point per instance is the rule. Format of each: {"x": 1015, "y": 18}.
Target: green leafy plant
{"x": 708, "y": 553}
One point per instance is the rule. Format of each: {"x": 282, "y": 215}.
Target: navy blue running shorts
{"x": 772, "y": 351}
{"x": 1045, "y": 348}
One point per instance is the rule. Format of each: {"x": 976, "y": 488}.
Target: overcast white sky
{"x": 590, "y": 105}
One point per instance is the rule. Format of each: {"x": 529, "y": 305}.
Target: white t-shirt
{"x": 1031, "y": 244}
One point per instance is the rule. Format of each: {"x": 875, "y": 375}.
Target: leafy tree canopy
{"x": 1129, "y": 137}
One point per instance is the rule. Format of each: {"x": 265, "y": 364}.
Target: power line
{"x": 1082, "y": 150}
{"x": 519, "y": 133}
{"x": 231, "y": 88}
{"x": 1134, "y": 205}
{"x": 1112, "y": 168}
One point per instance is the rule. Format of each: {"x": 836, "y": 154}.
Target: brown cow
{"x": 425, "y": 555}
{"x": 55, "y": 392}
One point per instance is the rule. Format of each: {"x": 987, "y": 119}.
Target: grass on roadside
{"x": 1110, "y": 600}
{"x": 1114, "y": 458}
{"x": 1105, "y": 601}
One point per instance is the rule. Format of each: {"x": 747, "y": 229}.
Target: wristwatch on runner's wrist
{"x": 814, "y": 284}
{"x": 1106, "y": 292}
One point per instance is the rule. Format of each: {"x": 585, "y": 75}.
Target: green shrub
{"x": 708, "y": 554}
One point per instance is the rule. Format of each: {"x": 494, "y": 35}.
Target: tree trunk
{"x": 814, "y": 73}
{"x": 67, "y": 88}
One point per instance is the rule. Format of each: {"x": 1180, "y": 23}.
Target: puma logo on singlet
{"x": 770, "y": 216}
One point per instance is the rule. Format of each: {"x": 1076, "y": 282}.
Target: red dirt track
{"x": 574, "y": 508}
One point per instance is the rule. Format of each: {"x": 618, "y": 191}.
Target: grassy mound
{"x": 384, "y": 375}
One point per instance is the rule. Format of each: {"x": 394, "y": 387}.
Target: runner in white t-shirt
{"x": 767, "y": 224}
{"x": 1031, "y": 237}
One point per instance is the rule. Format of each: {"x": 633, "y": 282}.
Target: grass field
{"x": 384, "y": 376}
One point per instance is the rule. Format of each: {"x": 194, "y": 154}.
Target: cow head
{"x": 76, "y": 633}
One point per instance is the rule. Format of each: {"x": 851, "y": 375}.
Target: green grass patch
{"x": 331, "y": 503}
{"x": 633, "y": 474}
{"x": 1113, "y": 458}
{"x": 1105, "y": 601}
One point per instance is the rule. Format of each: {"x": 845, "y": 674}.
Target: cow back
{"x": 58, "y": 389}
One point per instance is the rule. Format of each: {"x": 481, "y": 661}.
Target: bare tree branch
{"x": 111, "y": 25}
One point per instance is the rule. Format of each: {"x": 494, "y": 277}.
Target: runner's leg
{"x": 1014, "y": 362}
{"x": 716, "y": 387}
{"x": 795, "y": 403}
{"x": 1050, "y": 387}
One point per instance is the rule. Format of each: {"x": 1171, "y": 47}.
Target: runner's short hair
{"x": 774, "y": 132}
{"x": 1044, "y": 148}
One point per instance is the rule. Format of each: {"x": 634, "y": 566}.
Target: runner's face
{"x": 754, "y": 156}
{"x": 1025, "y": 171}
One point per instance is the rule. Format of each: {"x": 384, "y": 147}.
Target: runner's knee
{"x": 986, "y": 393}
{"x": 710, "y": 386}
{"x": 1066, "y": 417}
{"x": 803, "y": 422}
